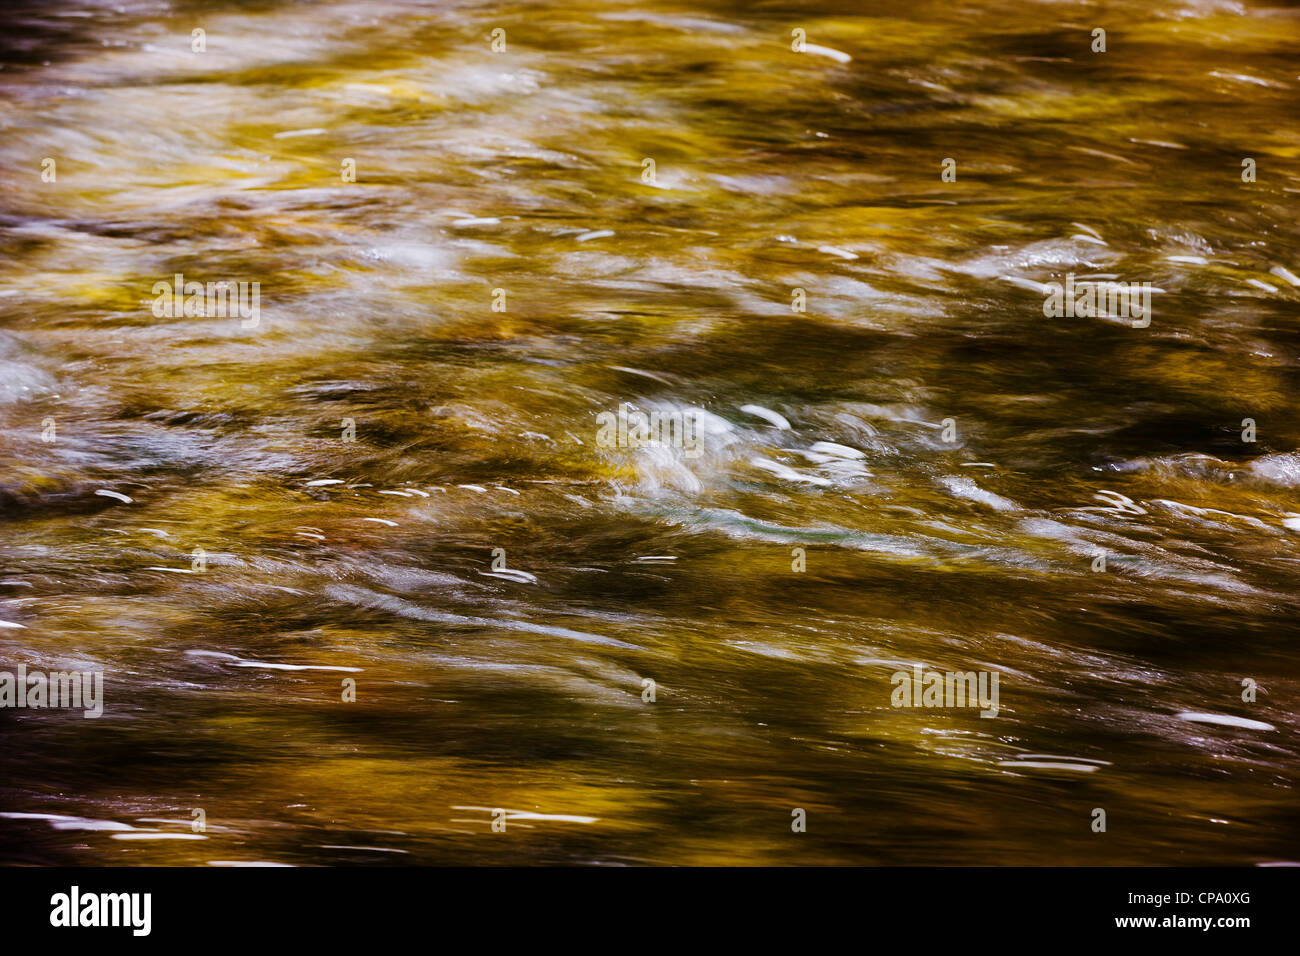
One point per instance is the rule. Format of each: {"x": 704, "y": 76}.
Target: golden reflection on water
{"x": 970, "y": 548}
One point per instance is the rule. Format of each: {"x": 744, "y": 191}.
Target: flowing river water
{"x": 399, "y": 492}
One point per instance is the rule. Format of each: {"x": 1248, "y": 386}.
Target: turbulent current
{"x": 578, "y": 432}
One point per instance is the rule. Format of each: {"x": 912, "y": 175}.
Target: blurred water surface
{"x": 477, "y": 430}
